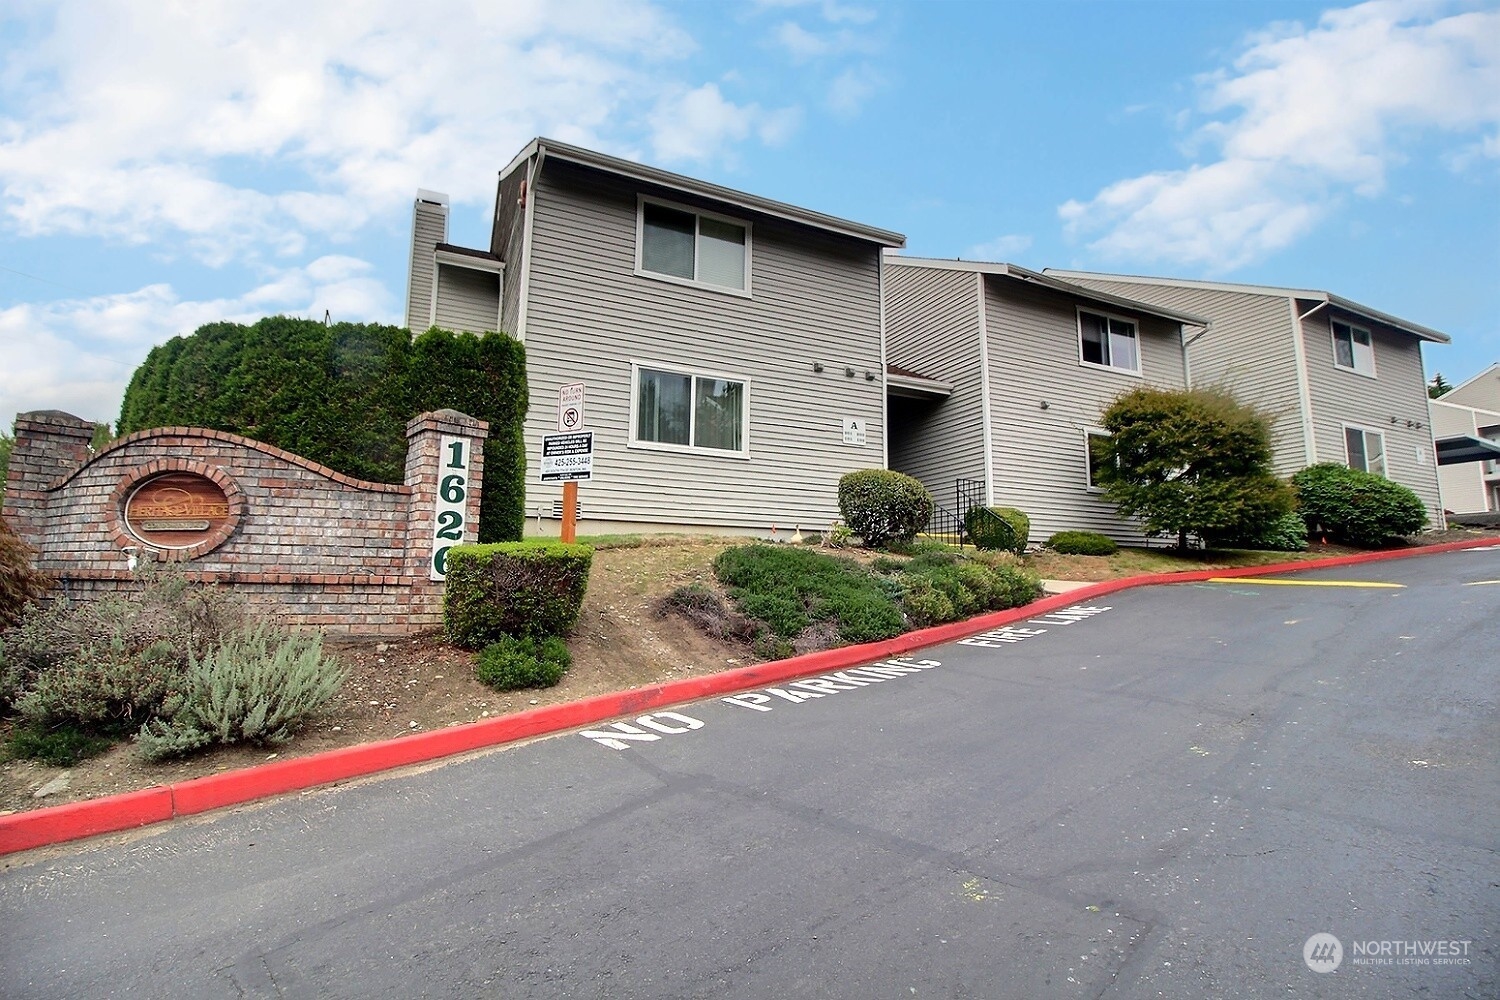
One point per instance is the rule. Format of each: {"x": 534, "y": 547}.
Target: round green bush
{"x": 880, "y": 505}
{"x": 1004, "y": 528}
{"x": 1356, "y": 508}
{"x": 523, "y": 662}
{"x": 1082, "y": 543}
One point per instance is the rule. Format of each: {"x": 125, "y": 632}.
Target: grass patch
{"x": 57, "y": 746}
{"x": 1136, "y": 561}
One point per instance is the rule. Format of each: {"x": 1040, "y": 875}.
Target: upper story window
{"x": 1365, "y": 449}
{"x": 1353, "y": 348}
{"x": 688, "y": 410}
{"x": 693, "y": 247}
{"x": 1108, "y": 341}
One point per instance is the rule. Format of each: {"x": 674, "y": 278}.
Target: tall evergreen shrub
{"x": 342, "y": 394}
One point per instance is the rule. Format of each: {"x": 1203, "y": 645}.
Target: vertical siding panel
{"x": 429, "y": 228}
{"x": 1040, "y": 454}
{"x": 1394, "y": 402}
{"x": 816, "y": 299}
{"x": 467, "y": 299}
{"x": 932, "y": 328}
{"x": 510, "y": 219}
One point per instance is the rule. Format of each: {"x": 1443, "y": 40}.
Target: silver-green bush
{"x": 258, "y": 685}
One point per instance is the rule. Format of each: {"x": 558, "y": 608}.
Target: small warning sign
{"x": 567, "y": 457}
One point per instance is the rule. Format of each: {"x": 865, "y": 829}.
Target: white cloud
{"x": 243, "y": 129}
{"x": 1000, "y": 249}
{"x": 78, "y": 354}
{"x": 851, "y": 89}
{"x": 1305, "y": 117}
{"x": 696, "y": 124}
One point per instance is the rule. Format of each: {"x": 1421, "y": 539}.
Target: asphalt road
{"x": 1165, "y": 796}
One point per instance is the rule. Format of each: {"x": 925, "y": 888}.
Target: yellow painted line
{"x": 1305, "y": 583}
{"x": 1481, "y": 583}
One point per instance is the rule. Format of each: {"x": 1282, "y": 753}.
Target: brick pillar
{"x": 49, "y": 444}
{"x": 429, "y": 465}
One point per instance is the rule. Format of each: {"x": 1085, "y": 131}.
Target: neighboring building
{"x": 1342, "y": 382}
{"x": 1032, "y": 362}
{"x": 732, "y": 346}
{"x": 1466, "y": 424}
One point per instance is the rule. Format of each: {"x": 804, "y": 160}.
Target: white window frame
{"x": 1385, "y": 455}
{"x": 695, "y": 373}
{"x": 640, "y": 245}
{"x": 1333, "y": 340}
{"x": 1119, "y": 370}
{"x": 1088, "y": 457}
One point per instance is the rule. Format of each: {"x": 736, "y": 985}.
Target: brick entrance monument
{"x": 300, "y": 541}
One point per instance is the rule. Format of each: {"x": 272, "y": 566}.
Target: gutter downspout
{"x": 1304, "y": 386}
{"x": 885, "y": 372}
{"x": 1187, "y": 366}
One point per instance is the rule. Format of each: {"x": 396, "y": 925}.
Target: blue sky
{"x": 164, "y": 166}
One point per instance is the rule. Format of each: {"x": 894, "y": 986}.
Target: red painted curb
{"x": 75, "y": 820}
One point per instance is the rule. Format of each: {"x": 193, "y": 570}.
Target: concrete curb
{"x": 56, "y": 824}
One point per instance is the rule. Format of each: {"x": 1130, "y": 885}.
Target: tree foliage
{"x": 1438, "y": 386}
{"x": 1190, "y": 462}
{"x": 1356, "y": 507}
{"x": 341, "y": 395}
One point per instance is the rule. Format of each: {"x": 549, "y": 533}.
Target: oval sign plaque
{"x": 176, "y": 510}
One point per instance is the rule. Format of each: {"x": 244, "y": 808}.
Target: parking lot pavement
{"x": 1168, "y": 792}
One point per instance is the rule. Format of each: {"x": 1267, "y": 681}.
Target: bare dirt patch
{"x": 398, "y": 687}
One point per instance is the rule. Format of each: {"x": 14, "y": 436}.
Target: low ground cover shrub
{"x": 514, "y": 589}
{"x": 813, "y": 603}
{"x": 1354, "y": 507}
{"x": 880, "y": 505}
{"x": 1082, "y": 543}
{"x": 523, "y": 662}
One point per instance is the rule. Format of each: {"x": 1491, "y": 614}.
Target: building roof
{"x": 553, "y": 149}
{"x": 1472, "y": 379}
{"x": 1310, "y": 294}
{"x": 1461, "y": 448}
{"x": 1022, "y": 274}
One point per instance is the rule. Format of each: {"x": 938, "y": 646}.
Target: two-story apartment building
{"x": 731, "y": 346}
{"x": 1342, "y": 382}
{"x": 1032, "y": 362}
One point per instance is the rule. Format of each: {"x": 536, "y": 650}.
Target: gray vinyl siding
{"x": 1482, "y": 393}
{"x": 1040, "y": 459}
{"x": 508, "y": 237}
{"x": 932, "y": 328}
{"x": 1394, "y": 402}
{"x": 467, "y": 299}
{"x": 1248, "y": 350}
{"x": 1462, "y": 486}
{"x": 816, "y": 298}
{"x": 429, "y": 228}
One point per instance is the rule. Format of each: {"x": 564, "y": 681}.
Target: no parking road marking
{"x": 1306, "y": 583}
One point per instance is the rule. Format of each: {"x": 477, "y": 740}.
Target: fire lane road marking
{"x": 1306, "y": 583}
{"x": 650, "y": 728}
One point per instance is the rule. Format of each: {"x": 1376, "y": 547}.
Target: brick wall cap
{"x": 55, "y": 419}
{"x": 213, "y": 435}
{"x": 448, "y": 421}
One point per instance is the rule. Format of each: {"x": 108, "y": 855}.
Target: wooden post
{"x": 570, "y": 511}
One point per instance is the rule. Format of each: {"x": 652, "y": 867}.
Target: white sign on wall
{"x": 450, "y": 516}
{"x": 570, "y": 407}
{"x": 854, "y": 430}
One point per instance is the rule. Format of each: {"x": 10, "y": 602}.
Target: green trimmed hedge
{"x": 1356, "y": 508}
{"x": 1004, "y": 528}
{"x": 342, "y": 395}
{"x": 1287, "y": 533}
{"x": 513, "y": 589}
{"x": 1082, "y": 543}
{"x": 880, "y": 505}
